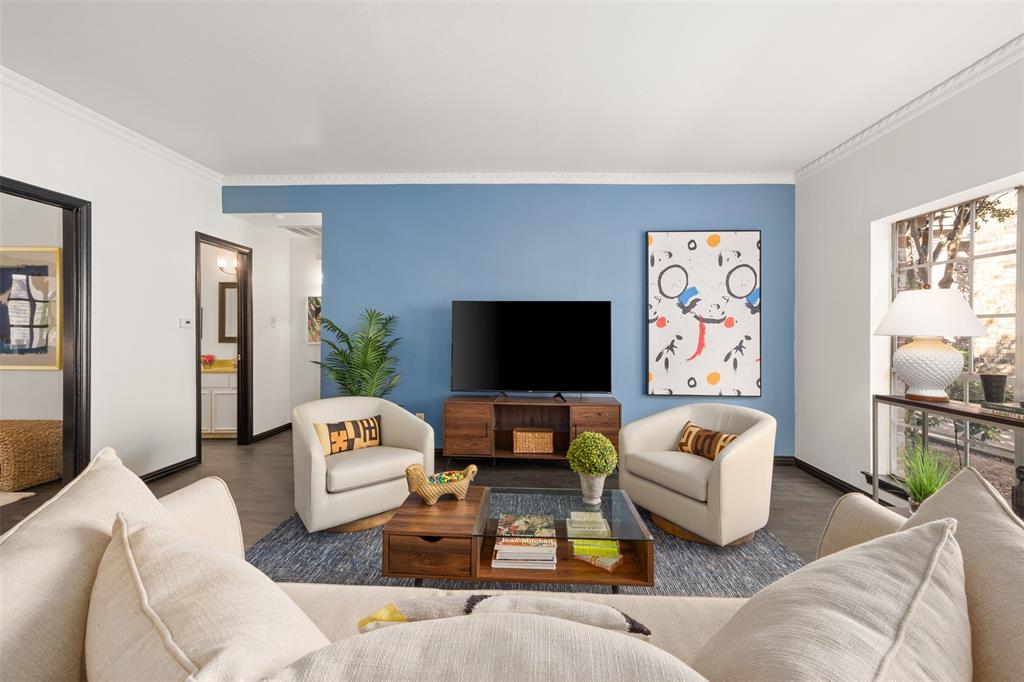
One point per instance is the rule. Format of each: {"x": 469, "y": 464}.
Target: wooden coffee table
{"x": 454, "y": 539}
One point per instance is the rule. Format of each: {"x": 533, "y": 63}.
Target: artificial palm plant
{"x": 363, "y": 363}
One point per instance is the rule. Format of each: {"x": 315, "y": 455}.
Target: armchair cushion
{"x": 696, "y": 440}
{"x": 684, "y": 473}
{"x": 367, "y": 466}
{"x": 348, "y": 435}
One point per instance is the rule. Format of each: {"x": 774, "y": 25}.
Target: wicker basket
{"x": 533, "y": 441}
{"x": 31, "y": 452}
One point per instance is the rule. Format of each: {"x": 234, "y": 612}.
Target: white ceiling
{"x": 300, "y": 87}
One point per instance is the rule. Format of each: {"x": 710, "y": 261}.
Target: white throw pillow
{"x": 893, "y": 608}
{"x": 168, "y": 607}
{"x": 991, "y": 538}
{"x": 495, "y": 647}
{"x": 48, "y": 563}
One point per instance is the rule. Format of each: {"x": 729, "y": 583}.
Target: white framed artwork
{"x": 704, "y": 313}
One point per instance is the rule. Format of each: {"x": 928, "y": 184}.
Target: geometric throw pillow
{"x": 991, "y": 538}
{"x": 353, "y": 434}
{"x": 892, "y": 608}
{"x": 704, "y": 442}
{"x": 451, "y": 605}
{"x": 166, "y": 606}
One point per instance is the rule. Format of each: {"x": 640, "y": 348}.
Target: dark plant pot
{"x": 914, "y": 504}
{"x": 994, "y": 387}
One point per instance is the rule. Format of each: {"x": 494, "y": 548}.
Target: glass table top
{"x": 521, "y": 512}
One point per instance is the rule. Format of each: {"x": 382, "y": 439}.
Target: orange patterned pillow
{"x": 353, "y": 434}
{"x": 704, "y": 442}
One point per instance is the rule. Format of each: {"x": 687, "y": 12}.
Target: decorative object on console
{"x": 363, "y": 364}
{"x": 925, "y": 471}
{"x": 696, "y": 440}
{"x": 30, "y": 299}
{"x": 927, "y": 365}
{"x": 993, "y": 384}
{"x": 431, "y": 488}
{"x": 314, "y": 311}
{"x": 30, "y": 452}
{"x": 207, "y": 359}
{"x": 348, "y": 435}
{"x": 529, "y": 441}
{"x": 593, "y": 457}
{"x": 704, "y": 313}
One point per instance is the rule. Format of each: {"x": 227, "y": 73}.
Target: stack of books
{"x": 587, "y": 531}
{"x": 1003, "y": 409}
{"x": 525, "y": 541}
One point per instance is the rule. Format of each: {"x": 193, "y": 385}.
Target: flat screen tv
{"x": 551, "y": 346}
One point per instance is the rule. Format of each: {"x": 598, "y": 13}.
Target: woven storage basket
{"x": 31, "y": 452}
{"x": 533, "y": 441}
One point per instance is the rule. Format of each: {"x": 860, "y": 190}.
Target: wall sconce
{"x": 227, "y": 268}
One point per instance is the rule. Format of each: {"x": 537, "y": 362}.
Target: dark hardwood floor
{"x": 260, "y": 479}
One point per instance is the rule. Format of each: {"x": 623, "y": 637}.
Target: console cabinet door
{"x": 467, "y": 428}
{"x": 603, "y": 419}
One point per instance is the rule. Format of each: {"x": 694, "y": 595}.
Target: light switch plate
{"x": 185, "y": 322}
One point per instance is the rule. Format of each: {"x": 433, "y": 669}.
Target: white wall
{"x": 30, "y": 394}
{"x": 305, "y": 281}
{"x": 973, "y": 138}
{"x": 147, "y": 204}
{"x": 211, "y": 276}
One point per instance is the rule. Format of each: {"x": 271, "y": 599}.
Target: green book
{"x": 596, "y": 551}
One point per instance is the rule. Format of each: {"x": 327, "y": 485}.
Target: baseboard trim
{"x": 168, "y": 470}
{"x": 785, "y": 460}
{"x": 837, "y": 483}
{"x": 272, "y": 432}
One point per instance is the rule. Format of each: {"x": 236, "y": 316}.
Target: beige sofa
{"x": 49, "y": 561}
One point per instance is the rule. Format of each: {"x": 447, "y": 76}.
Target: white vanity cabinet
{"x": 218, "y": 398}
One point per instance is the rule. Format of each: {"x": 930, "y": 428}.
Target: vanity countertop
{"x": 221, "y": 367}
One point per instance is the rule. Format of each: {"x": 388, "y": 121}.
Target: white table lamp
{"x": 927, "y": 365}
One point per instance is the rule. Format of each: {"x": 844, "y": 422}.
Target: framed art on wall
{"x": 30, "y": 332}
{"x": 704, "y": 313}
{"x": 313, "y": 312}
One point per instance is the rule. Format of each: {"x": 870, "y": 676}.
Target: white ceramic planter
{"x": 593, "y": 488}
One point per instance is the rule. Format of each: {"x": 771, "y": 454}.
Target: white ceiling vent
{"x": 305, "y": 231}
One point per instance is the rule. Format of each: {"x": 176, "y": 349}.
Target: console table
{"x": 481, "y": 426}
{"x": 954, "y": 409}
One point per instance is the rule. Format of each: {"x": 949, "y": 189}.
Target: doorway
{"x": 224, "y": 345}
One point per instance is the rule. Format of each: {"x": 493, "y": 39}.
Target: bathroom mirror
{"x": 227, "y": 313}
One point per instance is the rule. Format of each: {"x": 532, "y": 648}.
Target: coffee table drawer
{"x": 429, "y": 555}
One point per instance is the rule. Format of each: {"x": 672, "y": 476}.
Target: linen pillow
{"x": 166, "y": 606}
{"x": 48, "y": 563}
{"x": 449, "y": 606}
{"x": 493, "y": 646}
{"x": 893, "y": 608}
{"x": 991, "y": 538}
{"x": 697, "y": 440}
{"x": 345, "y": 436}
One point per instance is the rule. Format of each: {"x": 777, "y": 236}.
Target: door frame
{"x": 76, "y": 252}
{"x": 244, "y": 420}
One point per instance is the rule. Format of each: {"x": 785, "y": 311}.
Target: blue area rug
{"x": 290, "y": 554}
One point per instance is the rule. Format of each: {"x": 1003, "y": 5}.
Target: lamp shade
{"x": 930, "y": 312}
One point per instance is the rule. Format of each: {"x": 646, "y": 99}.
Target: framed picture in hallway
{"x": 704, "y": 313}
{"x": 313, "y": 313}
{"x": 30, "y": 308}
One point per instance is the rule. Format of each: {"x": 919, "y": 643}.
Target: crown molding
{"x": 973, "y": 74}
{"x": 41, "y": 93}
{"x": 516, "y": 178}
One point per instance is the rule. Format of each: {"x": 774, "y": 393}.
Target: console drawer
{"x": 467, "y": 428}
{"x": 430, "y": 556}
{"x": 604, "y": 416}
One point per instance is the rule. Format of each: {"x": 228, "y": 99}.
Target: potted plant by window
{"x": 362, "y": 363}
{"x": 924, "y": 472}
{"x": 593, "y": 457}
{"x": 993, "y": 384}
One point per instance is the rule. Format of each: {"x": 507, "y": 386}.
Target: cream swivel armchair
{"x": 352, "y": 490}
{"x": 721, "y": 502}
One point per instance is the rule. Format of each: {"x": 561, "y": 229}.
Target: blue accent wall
{"x": 410, "y": 249}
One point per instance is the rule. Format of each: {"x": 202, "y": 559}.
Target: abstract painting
{"x": 313, "y": 313}
{"x": 704, "y": 313}
{"x": 30, "y": 308}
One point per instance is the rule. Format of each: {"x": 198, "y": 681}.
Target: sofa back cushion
{"x": 168, "y": 607}
{"x": 991, "y": 538}
{"x": 48, "y": 563}
{"x": 893, "y": 608}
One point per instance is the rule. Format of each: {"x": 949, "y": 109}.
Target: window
{"x": 974, "y": 247}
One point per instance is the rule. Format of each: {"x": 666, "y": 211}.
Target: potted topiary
{"x": 593, "y": 457}
{"x": 993, "y": 384}
{"x": 924, "y": 472}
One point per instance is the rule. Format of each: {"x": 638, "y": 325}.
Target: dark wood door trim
{"x": 76, "y": 251}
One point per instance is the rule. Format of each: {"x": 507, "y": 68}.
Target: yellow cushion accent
{"x": 383, "y": 616}
{"x": 352, "y": 434}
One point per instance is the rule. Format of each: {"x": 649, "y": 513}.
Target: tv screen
{"x": 532, "y": 346}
